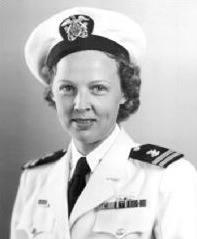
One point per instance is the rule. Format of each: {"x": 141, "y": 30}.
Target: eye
{"x": 67, "y": 89}
{"x": 99, "y": 89}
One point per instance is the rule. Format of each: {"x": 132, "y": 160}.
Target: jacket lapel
{"x": 104, "y": 183}
{"x": 55, "y": 191}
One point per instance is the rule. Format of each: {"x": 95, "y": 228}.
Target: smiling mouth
{"x": 80, "y": 120}
{"x": 83, "y": 123}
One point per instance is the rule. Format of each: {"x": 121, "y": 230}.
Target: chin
{"x": 86, "y": 137}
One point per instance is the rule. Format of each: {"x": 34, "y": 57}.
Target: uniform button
{"x": 34, "y": 231}
{"x": 120, "y": 232}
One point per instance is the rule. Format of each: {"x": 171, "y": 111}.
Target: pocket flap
{"x": 121, "y": 222}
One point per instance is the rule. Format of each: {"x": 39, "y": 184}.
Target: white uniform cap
{"x": 83, "y": 28}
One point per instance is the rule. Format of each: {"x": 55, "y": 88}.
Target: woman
{"x": 104, "y": 185}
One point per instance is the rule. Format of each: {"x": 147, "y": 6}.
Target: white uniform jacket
{"x": 168, "y": 196}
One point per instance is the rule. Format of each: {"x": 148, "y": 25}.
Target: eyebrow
{"x": 64, "y": 80}
{"x": 102, "y": 80}
{"x": 91, "y": 82}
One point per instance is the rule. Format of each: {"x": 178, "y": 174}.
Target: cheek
{"x": 63, "y": 108}
{"x": 109, "y": 109}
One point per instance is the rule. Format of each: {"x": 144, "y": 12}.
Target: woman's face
{"x": 87, "y": 93}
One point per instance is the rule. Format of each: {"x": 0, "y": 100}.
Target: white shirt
{"x": 95, "y": 156}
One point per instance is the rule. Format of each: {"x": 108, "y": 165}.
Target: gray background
{"x": 168, "y": 113}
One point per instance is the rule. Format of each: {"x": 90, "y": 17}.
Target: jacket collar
{"x": 55, "y": 191}
{"x": 113, "y": 171}
{"x": 94, "y": 157}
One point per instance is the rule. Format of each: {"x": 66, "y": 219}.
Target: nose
{"x": 82, "y": 102}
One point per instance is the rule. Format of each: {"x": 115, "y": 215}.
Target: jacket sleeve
{"x": 17, "y": 210}
{"x": 177, "y": 217}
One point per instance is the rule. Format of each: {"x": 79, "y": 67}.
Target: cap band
{"x": 92, "y": 42}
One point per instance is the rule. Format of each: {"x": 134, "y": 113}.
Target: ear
{"x": 52, "y": 95}
{"x": 123, "y": 99}
{"x": 53, "y": 100}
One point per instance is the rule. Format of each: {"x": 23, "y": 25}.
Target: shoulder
{"x": 45, "y": 160}
{"x": 155, "y": 155}
{"x": 174, "y": 172}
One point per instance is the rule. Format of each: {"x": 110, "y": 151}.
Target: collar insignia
{"x": 76, "y": 26}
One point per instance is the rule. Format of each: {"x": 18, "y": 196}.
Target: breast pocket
{"x": 123, "y": 222}
{"x": 38, "y": 224}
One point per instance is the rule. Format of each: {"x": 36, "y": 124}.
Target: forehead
{"x": 87, "y": 63}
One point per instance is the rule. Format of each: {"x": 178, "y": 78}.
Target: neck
{"x": 85, "y": 148}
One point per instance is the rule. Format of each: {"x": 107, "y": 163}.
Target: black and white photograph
{"x": 98, "y": 119}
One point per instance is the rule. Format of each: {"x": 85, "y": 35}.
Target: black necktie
{"x": 78, "y": 182}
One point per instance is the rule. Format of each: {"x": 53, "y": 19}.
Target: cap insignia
{"x": 76, "y": 26}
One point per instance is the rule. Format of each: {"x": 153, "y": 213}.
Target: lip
{"x": 81, "y": 119}
{"x": 83, "y": 123}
